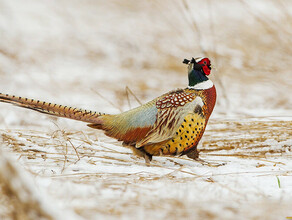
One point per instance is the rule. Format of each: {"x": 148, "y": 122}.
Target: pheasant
{"x": 171, "y": 124}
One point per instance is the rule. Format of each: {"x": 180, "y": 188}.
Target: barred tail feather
{"x": 53, "y": 109}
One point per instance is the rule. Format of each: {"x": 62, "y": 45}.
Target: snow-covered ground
{"x": 85, "y": 53}
{"x": 97, "y": 178}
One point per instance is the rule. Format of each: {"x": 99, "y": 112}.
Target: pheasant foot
{"x": 141, "y": 153}
{"x": 194, "y": 154}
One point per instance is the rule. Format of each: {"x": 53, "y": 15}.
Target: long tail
{"x": 53, "y": 109}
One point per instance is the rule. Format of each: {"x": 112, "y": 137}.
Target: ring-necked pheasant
{"x": 171, "y": 124}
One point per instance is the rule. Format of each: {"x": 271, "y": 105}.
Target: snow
{"x": 84, "y": 54}
{"x": 108, "y": 181}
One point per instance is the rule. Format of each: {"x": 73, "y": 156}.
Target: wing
{"x": 171, "y": 111}
{"x": 153, "y": 122}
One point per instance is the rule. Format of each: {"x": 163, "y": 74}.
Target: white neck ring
{"x": 203, "y": 85}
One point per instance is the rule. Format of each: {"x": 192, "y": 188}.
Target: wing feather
{"x": 170, "y": 117}
{"x": 153, "y": 122}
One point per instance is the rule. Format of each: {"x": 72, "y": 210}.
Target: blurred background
{"x": 85, "y": 53}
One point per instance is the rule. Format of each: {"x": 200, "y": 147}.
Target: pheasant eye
{"x": 205, "y": 62}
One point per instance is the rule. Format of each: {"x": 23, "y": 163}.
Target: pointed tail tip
{"x": 54, "y": 109}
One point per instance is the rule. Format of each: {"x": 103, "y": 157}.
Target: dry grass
{"x": 141, "y": 44}
{"x": 66, "y": 152}
{"x": 249, "y": 139}
{"x": 248, "y": 49}
{"x": 18, "y": 198}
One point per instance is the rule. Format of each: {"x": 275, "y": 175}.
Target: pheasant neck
{"x": 202, "y": 85}
{"x": 198, "y": 80}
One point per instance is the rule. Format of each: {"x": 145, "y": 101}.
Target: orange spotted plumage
{"x": 171, "y": 124}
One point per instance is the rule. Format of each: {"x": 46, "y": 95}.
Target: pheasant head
{"x": 198, "y": 70}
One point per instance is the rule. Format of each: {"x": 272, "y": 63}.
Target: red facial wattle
{"x": 206, "y": 65}
{"x": 206, "y": 70}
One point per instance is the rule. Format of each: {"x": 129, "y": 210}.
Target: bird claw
{"x": 147, "y": 160}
